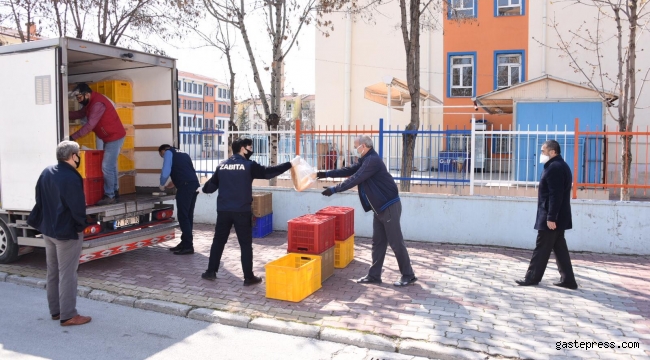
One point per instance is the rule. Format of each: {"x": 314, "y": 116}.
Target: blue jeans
{"x": 109, "y": 166}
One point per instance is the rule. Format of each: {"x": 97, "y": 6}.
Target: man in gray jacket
{"x": 378, "y": 193}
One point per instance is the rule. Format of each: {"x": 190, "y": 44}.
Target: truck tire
{"x": 8, "y": 248}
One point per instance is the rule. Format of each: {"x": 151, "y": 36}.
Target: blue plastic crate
{"x": 262, "y": 226}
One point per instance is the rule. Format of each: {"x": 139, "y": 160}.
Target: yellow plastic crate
{"x": 343, "y": 252}
{"x": 129, "y": 139}
{"x": 125, "y": 112}
{"x": 119, "y": 91}
{"x": 293, "y": 277}
{"x": 89, "y": 140}
{"x": 126, "y": 160}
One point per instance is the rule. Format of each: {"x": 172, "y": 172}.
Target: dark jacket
{"x": 554, "y": 195}
{"x": 234, "y": 179}
{"x": 377, "y": 189}
{"x": 60, "y": 210}
{"x": 183, "y": 173}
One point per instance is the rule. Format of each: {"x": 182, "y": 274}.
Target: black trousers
{"x": 185, "y": 202}
{"x": 387, "y": 230}
{"x": 547, "y": 241}
{"x": 244, "y": 229}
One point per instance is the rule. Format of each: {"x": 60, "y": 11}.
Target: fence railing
{"x": 477, "y": 159}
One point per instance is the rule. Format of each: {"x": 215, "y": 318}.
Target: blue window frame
{"x": 461, "y": 72}
{"x": 462, "y": 9}
{"x": 509, "y": 68}
{"x": 509, "y": 7}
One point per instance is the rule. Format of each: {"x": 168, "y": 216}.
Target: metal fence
{"x": 480, "y": 160}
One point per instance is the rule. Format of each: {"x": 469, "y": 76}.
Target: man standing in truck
{"x": 105, "y": 123}
{"x": 179, "y": 167}
{"x": 60, "y": 215}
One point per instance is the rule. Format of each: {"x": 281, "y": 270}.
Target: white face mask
{"x": 543, "y": 159}
{"x": 360, "y": 152}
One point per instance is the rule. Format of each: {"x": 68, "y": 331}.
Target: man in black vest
{"x": 553, "y": 218}
{"x": 179, "y": 167}
{"x": 234, "y": 179}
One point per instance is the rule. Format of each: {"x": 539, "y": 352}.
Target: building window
{"x": 184, "y": 138}
{"x": 503, "y": 144}
{"x": 462, "y": 9}
{"x": 200, "y": 89}
{"x": 211, "y": 107}
{"x": 178, "y": 86}
{"x": 184, "y": 86}
{"x": 462, "y": 76}
{"x": 509, "y": 68}
{"x": 458, "y": 143}
{"x": 200, "y": 124}
{"x": 509, "y": 7}
{"x": 228, "y": 109}
{"x": 194, "y": 88}
{"x": 199, "y": 106}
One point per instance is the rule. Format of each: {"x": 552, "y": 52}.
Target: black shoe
{"x": 176, "y": 248}
{"x": 209, "y": 275}
{"x": 572, "y": 286}
{"x": 368, "y": 280}
{"x": 524, "y": 282}
{"x": 106, "y": 201}
{"x": 252, "y": 281}
{"x": 184, "y": 252}
{"x": 405, "y": 280}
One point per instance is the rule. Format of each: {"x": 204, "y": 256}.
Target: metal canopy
{"x": 399, "y": 94}
{"x": 546, "y": 87}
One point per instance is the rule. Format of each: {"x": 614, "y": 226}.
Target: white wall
{"x": 599, "y": 226}
{"x": 377, "y": 51}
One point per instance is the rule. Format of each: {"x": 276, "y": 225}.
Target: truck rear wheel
{"x": 8, "y": 248}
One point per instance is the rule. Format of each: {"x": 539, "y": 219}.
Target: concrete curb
{"x": 101, "y": 295}
{"x": 436, "y": 351}
{"x": 164, "y": 307}
{"x": 285, "y": 327}
{"x": 220, "y": 317}
{"x": 26, "y": 281}
{"x": 373, "y": 342}
{"x": 340, "y": 336}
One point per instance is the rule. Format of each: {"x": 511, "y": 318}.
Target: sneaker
{"x": 252, "y": 281}
{"x": 405, "y": 280}
{"x": 368, "y": 280}
{"x": 209, "y": 275}
{"x": 106, "y": 201}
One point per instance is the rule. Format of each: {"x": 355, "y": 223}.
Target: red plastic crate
{"x": 94, "y": 190}
{"x": 311, "y": 234}
{"x": 91, "y": 163}
{"x": 344, "y": 220}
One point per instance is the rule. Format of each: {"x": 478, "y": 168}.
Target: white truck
{"x": 34, "y": 119}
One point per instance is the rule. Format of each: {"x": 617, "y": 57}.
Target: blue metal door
{"x": 557, "y": 116}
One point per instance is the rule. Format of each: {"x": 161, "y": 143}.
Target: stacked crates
{"x": 262, "y": 209}
{"x": 90, "y": 169}
{"x": 344, "y": 234}
{"x": 314, "y": 235}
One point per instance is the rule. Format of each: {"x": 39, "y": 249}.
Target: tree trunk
{"x": 231, "y": 122}
{"x": 276, "y": 84}
{"x": 19, "y": 27}
{"x": 412, "y": 47}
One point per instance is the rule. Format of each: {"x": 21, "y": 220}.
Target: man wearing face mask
{"x": 179, "y": 167}
{"x": 553, "y": 218}
{"x": 60, "y": 215}
{"x": 378, "y": 193}
{"x": 234, "y": 180}
{"x": 105, "y": 123}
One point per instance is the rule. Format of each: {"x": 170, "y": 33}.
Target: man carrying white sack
{"x": 377, "y": 192}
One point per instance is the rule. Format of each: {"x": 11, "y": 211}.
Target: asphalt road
{"x": 119, "y": 332}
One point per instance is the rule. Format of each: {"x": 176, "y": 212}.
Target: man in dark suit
{"x": 553, "y": 218}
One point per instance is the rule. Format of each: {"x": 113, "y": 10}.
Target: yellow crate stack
{"x": 125, "y": 112}
{"x": 343, "y": 252}
{"x": 126, "y": 160}
{"x": 119, "y": 91}
{"x": 129, "y": 139}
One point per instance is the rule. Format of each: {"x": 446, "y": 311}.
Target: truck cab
{"x": 35, "y": 103}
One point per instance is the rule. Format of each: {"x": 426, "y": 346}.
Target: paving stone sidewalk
{"x": 465, "y": 298}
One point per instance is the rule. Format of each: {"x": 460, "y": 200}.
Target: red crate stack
{"x": 311, "y": 234}
{"x": 344, "y": 222}
{"x": 94, "y": 190}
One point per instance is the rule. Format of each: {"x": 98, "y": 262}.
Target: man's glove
{"x": 161, "y": 187}
{"x": 295, "y": 161}
{"x": 329, "y": 191}
{"x": 321, "y": 174}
